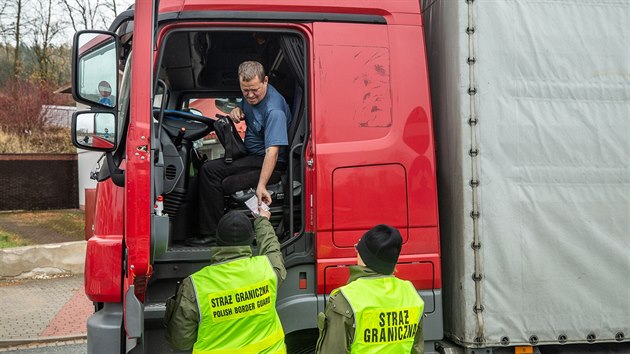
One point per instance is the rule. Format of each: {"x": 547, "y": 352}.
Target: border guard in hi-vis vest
{"x": 230, "y": 305}
{"x": 375, "y": 312}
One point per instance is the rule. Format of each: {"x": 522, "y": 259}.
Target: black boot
{"x": 201, "y": 241}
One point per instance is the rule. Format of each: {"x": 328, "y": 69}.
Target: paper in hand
{"x": 252, "y": 204}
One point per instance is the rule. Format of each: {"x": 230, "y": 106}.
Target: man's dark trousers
{"x": 211, "y": 202}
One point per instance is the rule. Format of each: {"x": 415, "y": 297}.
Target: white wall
{"x": 87, "y": 162}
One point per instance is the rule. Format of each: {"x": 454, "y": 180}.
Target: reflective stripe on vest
{"x": 237, "y": 304}
{"x": 386, "y": 311}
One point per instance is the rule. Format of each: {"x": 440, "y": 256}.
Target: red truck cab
{"x": 361, "y": 151}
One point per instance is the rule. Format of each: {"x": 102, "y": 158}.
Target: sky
{"x": 121, "y": 5}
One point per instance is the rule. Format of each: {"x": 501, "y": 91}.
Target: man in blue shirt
{"x": 268, "y": 117}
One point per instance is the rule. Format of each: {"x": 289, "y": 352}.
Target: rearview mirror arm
{"x": 117, "y": 175}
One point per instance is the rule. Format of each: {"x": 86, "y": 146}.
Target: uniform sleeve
{"x": 418, "y": 342}
{"x": 269, "y": 246}
{"x": 276, "y": 129}
{"x": 336, "y": 327}
{"x": 182, "y": 317}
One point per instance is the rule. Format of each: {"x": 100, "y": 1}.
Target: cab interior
{"x": 196, "y": 80}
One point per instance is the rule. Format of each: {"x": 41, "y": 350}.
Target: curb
{"x": 13, "y": 344}
{"x": 42, "y": 260}
{"x": 25, "y": 341}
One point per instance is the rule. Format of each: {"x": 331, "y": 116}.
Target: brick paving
{"x": 40, "y": 311}
{"x": 43, "y": 308}
{"x": 71, "y": 318}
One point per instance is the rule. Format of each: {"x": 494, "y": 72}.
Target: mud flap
{"x": 134, "y": 318}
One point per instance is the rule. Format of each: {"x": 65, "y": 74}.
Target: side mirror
{"x": 94, "y": 130}
{"x": 95, "y": 68}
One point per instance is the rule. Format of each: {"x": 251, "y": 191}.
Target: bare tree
{"x": 4, "y": 14}
{"x": 44, "y": 27}
{"x": 114, "y": 7}
{"x": 5, "y": 28}
{"x": 34, "y": 34}
{"x": 93, "y": 14}
{"x": 16, "y": 30}
{"x": 85, "y": 14}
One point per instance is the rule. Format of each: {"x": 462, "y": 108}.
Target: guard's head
{"x": 235, "y": 229}
{"x": 379, "y": 248}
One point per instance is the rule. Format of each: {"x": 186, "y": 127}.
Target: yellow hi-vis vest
{"x": 237, "y": 303}
{"x": 386, "y": 313}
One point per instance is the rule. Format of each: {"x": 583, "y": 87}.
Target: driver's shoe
{"x": 201, "y": 241}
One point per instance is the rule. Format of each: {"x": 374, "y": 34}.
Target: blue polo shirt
{"x": 267, "y": 124}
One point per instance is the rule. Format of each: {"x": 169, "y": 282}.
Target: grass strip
{"x": 9, "y": 240}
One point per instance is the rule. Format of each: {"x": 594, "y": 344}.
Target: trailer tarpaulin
{"x": 531, "y": 101}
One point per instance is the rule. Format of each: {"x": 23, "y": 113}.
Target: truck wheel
{"x": 302, "y": 342}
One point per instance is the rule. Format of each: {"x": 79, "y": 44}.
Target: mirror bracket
{"x": 117, "y": 175}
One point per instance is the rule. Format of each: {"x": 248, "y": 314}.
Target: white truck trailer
{"x": 531, "y": 103}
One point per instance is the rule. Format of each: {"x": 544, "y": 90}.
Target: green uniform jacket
{"x": 336, "y": 325}
{"x": 182, "y": 313}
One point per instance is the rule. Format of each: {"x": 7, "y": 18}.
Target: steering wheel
{"x": 196, "y": 127}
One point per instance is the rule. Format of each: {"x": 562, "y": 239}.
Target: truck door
{"x": 138, "y": 177}
{"x": 373, "y": 149}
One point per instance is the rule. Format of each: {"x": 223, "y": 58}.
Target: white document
{"x": 252, "y": 204}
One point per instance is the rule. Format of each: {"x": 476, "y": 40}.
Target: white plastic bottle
{"x": 159, "y": 206}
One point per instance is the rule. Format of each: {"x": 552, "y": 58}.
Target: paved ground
{"x": 43, "y": 310}
{"x": 74, "y": 346}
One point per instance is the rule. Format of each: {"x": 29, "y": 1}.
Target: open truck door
{"x": 138, "y": 206}
{"x": 121, "y": 128}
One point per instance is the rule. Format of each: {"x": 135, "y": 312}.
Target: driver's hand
{"x": 237, "y": 115}
{"x": 263, "y": 195}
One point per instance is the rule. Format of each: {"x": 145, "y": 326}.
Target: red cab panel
{"x": 103, "y": 257}
{"x": 421, "y": 274}
{"x": 364, "y": 195}
{"x": 374, "y": 159}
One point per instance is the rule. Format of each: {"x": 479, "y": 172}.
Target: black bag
{"x": 229, "y": 138}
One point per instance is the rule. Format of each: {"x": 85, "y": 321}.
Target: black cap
{"x": 379, "y": 248}
{"x": 235, "y": 229}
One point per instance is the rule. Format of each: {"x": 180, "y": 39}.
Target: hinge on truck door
{"x": 142, "y": 151}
